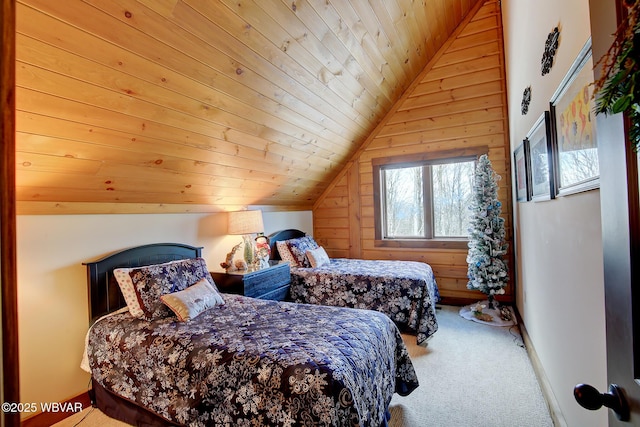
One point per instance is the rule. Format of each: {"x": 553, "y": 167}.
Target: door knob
{"x": 590, "y": 398}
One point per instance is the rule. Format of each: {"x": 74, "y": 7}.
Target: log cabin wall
{"x": 458, "y": 102}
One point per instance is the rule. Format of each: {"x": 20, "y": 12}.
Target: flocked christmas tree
{"x": 487, "y": 270}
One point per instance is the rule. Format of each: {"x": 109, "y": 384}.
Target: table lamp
{"x": 246, "y": 223}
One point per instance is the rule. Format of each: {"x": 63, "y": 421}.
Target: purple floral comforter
{"x": 256, "y": 362}
{"x": 406, "y": 291}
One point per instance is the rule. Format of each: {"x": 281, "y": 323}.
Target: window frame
{"x": 412, "y": 160}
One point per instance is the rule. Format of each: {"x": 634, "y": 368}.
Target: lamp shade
{"x": 245, "y": 222}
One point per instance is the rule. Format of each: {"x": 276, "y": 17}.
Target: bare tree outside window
{"x": 404, "y": 202}
{"x": 447, "y": 189}
{"x": 578, "y": 165}
{"x": 452, "y": 184}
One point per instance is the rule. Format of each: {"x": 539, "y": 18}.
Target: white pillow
{"x": 190, "y": 302}
{"x": 318, "y": 257}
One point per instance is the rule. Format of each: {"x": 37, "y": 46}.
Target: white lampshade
{"x": 245, "y": 222}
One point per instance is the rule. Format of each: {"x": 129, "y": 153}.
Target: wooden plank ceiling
{"x": 202, "y": 105}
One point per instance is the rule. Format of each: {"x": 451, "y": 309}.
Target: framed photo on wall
{"x": 539, "y": 154}
{"x": 522, "y": 173}
{"x": 575, "y": 144}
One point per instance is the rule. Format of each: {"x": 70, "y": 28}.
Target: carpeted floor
{"x": 470, "y": 375}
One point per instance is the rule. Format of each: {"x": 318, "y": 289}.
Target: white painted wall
{"x": 52, "y": 295}
{"x": 560, "y": 288}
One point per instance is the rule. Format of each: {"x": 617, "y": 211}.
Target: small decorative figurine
{"x": 240, "y": 264}
{"x": 228, "y": 263}
{"x": 262, "y": 251}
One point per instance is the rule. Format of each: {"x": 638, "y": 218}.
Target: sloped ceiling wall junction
{"x": 458, "y": 103}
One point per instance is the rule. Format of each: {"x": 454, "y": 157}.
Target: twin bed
{"x": 188, "y": 355}
{"x": 406, "y": 291}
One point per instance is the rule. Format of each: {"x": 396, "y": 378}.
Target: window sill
{"x": 453, "y": 243}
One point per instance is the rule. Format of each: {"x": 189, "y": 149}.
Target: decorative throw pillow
{"x": 190, "y": 302}
{"x": 318, "y": 257}
{"x": 153, "y": 281}
{"x": 285, "y": 253}
{"x": 299, "y": 247}
{"x": 128, "y": 291}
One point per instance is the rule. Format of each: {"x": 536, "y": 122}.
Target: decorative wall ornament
{"x": 526, "y": 99}
{"x": 550, "y": 48}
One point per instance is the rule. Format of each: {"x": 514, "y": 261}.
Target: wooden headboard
{"x": 104, "y": 293}
{"x": 278, "y": 236}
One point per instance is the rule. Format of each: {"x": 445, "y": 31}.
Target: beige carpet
{"x": 90, "y": 417}
{"x": 470, "y": 375}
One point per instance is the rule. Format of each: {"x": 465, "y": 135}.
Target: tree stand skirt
{"x": 480, "y": 312}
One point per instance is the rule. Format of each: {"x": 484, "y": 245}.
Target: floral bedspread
{"x": 406, "y": 291}
{"x": 256, "y": 362}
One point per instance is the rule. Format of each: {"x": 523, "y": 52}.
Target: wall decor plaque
{"x": 550, "y": 47}
{"x": 526, "y": 100}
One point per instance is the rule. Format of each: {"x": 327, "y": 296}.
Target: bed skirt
{"x": 124, "y": 410}
{"x": 128, "y": 412}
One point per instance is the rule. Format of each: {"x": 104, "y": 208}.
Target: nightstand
{"x": 266, "y": 283}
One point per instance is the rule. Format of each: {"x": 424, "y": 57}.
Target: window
{"x": 422, "y": 202}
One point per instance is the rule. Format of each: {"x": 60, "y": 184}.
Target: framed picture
{"x": 575, "y": 144}
{"x": 522, "y": 173}
{"x": 538, "y": 150}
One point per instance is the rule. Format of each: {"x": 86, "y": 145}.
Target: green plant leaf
{"x": 622, "y": 104}
{"x": 619, "y": 93}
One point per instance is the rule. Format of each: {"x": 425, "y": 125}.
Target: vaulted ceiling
{"x": 202, "y": 105}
